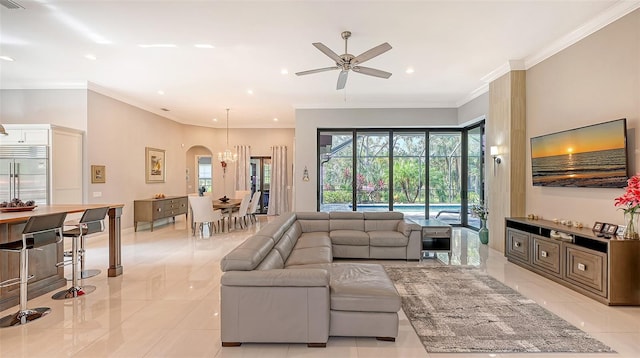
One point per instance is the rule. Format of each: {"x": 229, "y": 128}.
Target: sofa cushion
{"x": 272, "y": 261}
{"x": 381, "y": 225}
{"x": 278, "y": 226}
{"x": 313, "y": 221}
{"x": 288, "y": 240}
{"x": 309, "y": 255}
{"x": 387, "y": 238}
{"x": 383, "y": 215}
{"x": 313, "y": 239}
{"x": 349, "y": 237}
{"x": 346, "y": 220}
{"x": 248, "y": 254}
{"x": 362, "y": 288}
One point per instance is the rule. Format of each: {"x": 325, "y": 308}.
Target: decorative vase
{"x": 631, "y": 231}
{"x": 483, "y": 233}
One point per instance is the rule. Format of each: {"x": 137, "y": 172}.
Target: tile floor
{"x": 166, "y": 305}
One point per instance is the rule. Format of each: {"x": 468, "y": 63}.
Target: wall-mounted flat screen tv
{"x": 594, "y": 156}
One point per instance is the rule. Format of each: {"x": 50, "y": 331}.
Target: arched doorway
{"x": 199, "y": 171}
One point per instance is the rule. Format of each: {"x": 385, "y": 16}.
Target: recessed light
{"x": 6, "y": 58}
{"x": 275, "y": 119}
{"x": 203, "y": 46}
{"x": 284, "y": 71}
{"x": 156, "y": 45}
{"x": 91, "y": 57}
{"x": 160, "y": 92}
{"x": 410, "y": 70}
{"x": 250, "y": 91}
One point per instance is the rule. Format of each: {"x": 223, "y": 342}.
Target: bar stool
{"x": 39, "y": 231}
{"x": 91, "y": 222}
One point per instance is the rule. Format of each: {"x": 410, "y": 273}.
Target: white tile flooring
{"x": 166, "y": 305}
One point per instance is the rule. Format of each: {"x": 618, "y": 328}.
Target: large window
{"x": 204, "y": 173}
{"x": 372, "y": 175}
{"x": 409, "y": 173}
{"x": 432, "y": 173}
{"x": 336, "y": 171}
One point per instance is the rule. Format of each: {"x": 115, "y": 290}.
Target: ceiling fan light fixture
{"x": 2, "y": 130}
{"x": 347, "y": 61}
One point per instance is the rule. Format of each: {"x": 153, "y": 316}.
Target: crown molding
{"x": 612, "y": 14}
{"x": 603, "y": 19}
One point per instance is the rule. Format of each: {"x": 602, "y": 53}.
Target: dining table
{"x": 227, "y": 208}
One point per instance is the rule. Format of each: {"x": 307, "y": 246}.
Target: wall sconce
{"x": 305, "y": 174}
{"x": 493, "y": 150}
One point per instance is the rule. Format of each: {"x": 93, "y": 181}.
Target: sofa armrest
{"x": 406, "y": 226}
{"x": 277, "y": 278}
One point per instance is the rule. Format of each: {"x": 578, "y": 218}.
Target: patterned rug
{"x": 463, "y": 310}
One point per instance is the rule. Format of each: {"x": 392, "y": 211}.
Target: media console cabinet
{"x": 606, "y": 270}
{"x": 150, "y": 210}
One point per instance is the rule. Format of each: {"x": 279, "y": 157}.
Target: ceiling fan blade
{"x": 371, "y": 71}
{"x": 327, "y": 51}
{"x": 367, "y": 55}
{"x": 317, "y": 70}
{"x": 342, "y": 79}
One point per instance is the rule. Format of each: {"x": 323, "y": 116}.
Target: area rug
{"x": 464, "y": 310}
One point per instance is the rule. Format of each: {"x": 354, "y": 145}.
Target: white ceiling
{"x": 455, "y": 47}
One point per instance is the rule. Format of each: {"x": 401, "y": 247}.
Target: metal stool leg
{"x": 75, "y": 290}
{"x": 24, "y": 315}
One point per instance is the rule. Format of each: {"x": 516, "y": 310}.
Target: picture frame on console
{"x": 597, "y": 226}
{"x": 611, "y": 229}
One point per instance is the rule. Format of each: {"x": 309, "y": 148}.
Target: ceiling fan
{"x": 347, "y": 61}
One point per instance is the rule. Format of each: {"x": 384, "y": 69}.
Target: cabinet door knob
{"x": 543, "y": 253}
{"x": 582, "y": 267}
{"x": 517, "y": 244}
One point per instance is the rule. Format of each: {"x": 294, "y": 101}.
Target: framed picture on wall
{"x": 98, "y": 174}
{"x": 155, "y": 165}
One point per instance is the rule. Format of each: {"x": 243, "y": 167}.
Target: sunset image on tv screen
{"x": 593, "y": 156}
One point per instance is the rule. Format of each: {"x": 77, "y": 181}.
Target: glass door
{"x": 204, "y": 173}
{"x": 445, "y": 164}
{"x": 409, "y": 173}
{"x": 475, "y": 172}
{"x": 261, "y": 180}
{"x": 372, "y": 175}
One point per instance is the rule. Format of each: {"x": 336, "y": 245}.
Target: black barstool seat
{"x": 40, "y": 230}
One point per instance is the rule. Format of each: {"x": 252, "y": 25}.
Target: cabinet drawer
{"x": 436, "y": 232}
{"x": 587, "y": 269}
{"x": 546, "y": 255}
{"x": 518, "y": 245}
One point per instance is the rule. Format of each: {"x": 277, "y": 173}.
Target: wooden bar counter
{"x": 42, "y": 263}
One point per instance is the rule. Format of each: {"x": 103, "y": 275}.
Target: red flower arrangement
{"x": 224, "y": 166}
{"x": 630, "y": 200}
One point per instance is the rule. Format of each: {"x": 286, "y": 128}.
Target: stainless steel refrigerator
{"x": 24, "y": 173}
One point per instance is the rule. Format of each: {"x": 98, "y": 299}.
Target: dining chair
{"x": 202, "y": 212}
{"x": 242, "y": 211}
{"x": 241, "y": 193}
{"x": 253, "y": 205}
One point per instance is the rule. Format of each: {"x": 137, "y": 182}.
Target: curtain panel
{"x": 242, "y": 170}
{"x": 278, "y": 195}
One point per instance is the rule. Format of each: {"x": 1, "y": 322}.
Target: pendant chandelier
{"x": 227, "y": 156}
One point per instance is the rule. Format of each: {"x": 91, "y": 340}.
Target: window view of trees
{"x": 410, "y": 154}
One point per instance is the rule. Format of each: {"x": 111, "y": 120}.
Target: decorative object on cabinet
{"x": 98, "y": 174}
{"x": 155, "y": 165}
{"x": 597, "y": 226}
{"x": 579, "y": 259}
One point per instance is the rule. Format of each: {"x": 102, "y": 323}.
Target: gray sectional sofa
{"x": 281, "y": 284}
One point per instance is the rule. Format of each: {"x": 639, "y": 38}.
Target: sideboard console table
{"x": 606, "y": 270}
{"x": 150, "y": 210}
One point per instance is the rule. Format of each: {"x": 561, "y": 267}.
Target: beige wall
{"x": 117, "y": 134}
{"x": 595, "y": 80}
{"x": 66, "y": 108}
